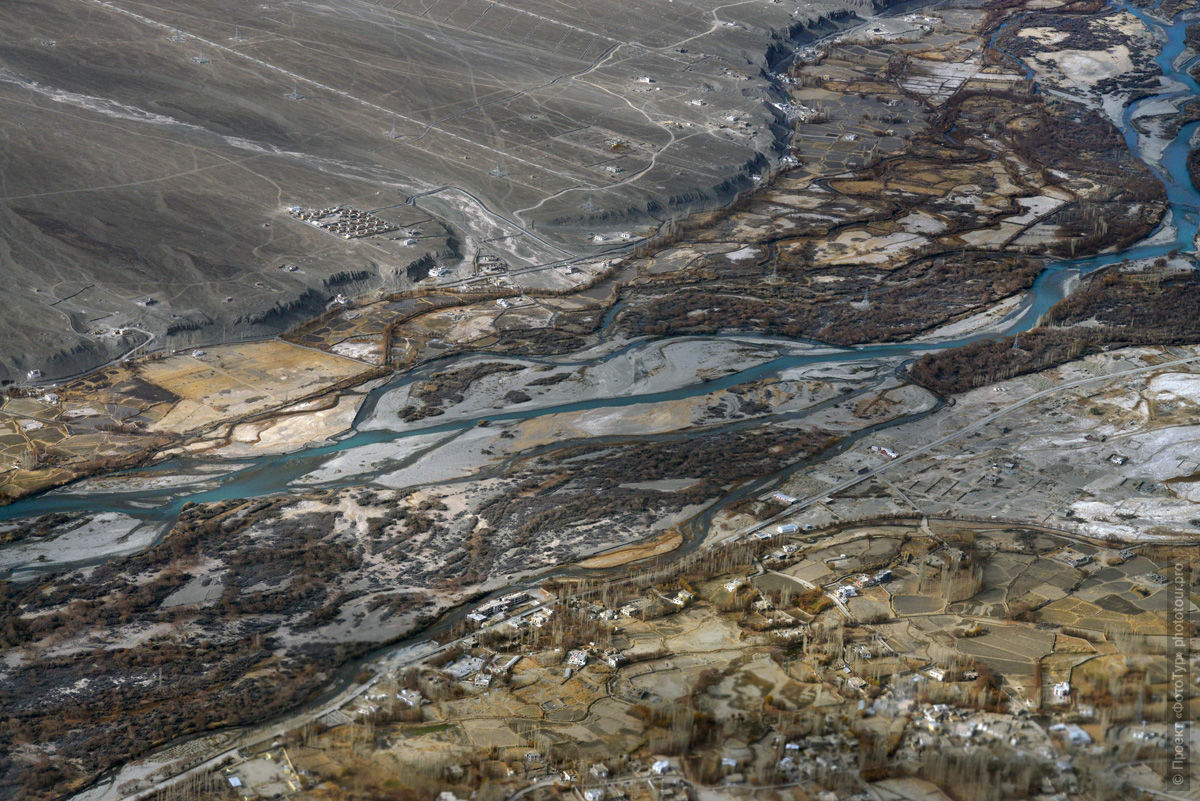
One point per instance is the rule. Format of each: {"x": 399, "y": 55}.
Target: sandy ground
{"x": 367, "y": 459}
{"x": 650, "y": 367}
{"x": 1084, "y": 69}
{"x": 992, "y": 319}
{"x": 105, "y": 534}
{"x": 417, "y": 458}
{"x": 290, "y": 432}
{"x": 462, "y": 455}
{"x": 1043, "y": 36}
{"x": 148, "y": 480}
{"x": 664, "y": 543}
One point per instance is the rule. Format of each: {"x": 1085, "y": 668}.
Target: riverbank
{"x": 921, "y": 233}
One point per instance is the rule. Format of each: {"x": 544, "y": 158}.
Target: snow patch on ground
{"x": 1174, "y": 386}
{"x": 744, "y": 254}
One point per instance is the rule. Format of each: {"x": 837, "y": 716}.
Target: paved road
{"x": 262, "y": 734}
{"x": 415, "y": 655}
{"x": 259, "y": 735}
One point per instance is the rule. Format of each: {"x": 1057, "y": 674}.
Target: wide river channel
{"x": 169, "y": 485}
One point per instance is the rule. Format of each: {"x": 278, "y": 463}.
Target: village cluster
{"x": 343, "y": 221}
{"x": 858, "y": 662}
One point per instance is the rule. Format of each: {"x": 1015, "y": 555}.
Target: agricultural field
{"x": 130, "y": 413}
